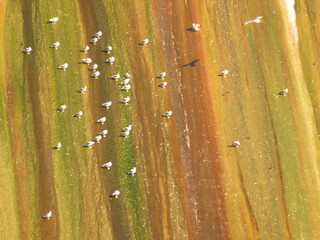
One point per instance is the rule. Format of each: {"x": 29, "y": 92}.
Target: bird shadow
{"x": 191, "y": 64}
{"x": 232, "y": 146}
{"x": 55, "y": 148}
{"x": 190, "y": 30}
{"x": 112, "y": 197}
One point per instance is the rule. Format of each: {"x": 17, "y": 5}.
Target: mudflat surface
{"x": 190, "y": 183}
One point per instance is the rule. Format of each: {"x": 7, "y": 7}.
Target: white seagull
{"x": 126, "y": 88}
{"x": 125, "y": 100}
{"x": 97, "y": 34}
{"x": 55, "y": 45}
{"x": 97, "y": 138}
{"x": 144, "y": 41}
{"x": 85, "y": 49}
{"x": 62, "y": 108}
{"x": 162, "y": 75}
{"x": 27, "y": 50}
{"x": 108, "y": 49}
{"x": 83, "y": 89}
{"x": 110, "y": 60}
{"x": 163, "y": 84}
{"x": 47, "y": 216}
{"x": 53, "y": 20}
{"x": 196, "y": 27}
{"x": 95, "y": 74}
{"x": 115, "y": 194}
{"x": 256, "y": 20}
{"x": 127, "y": 129}
{"x": 127, "y": 76}
{"x": 116, "y": 76}
{"x": 89, "y": 144}
{"x": 63, "y": 66}
{"x": 86, "y": 60}
{"x": 93, "y": 67}
{"x": 284, "y": 92}
{"x": 223, "y": 73}
{"x": 235, "y": 144}
{"x": 106, "y": 104}
{"x": 78, "y": 114}
{"x": 125, "y": 82}
{"x": 103, "y": 133}
{"x": 101, "y": 120}
{"x": 58, "y": 146}
{"x": 132, "y": 171}
{"x": 94, "y": 40}
{"x": 107, "y": 165}
{"x": 167, "y": 114}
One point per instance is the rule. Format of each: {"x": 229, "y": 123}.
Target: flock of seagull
{"x": 125, "y": 132}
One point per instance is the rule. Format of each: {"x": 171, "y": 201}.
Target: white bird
{"x": 62, "y": 108}
{"x": 106, "y": 104}
{"x": 85, "y": 49}
{"x": 93, "y": 67}
{"x": 167, "y": 114}
{"x": 196, "y": 27}
{"x": 101, "y": 120}
{"x": 97, "y": 34}
{"x": 223, "y": 73}
{"x": 125, "y": 134}
{"x": 89, "y": 144}
{"x": 58, "y": 146}
{"x": 95, "y": 74}
{"x": 116, "y": 76}
{"x": 97, "y": 138}
{"x": 284, "y": 92}
{"x": 126, "y": 88}
{"x": 110, "y": 60}
{"x": 108, "y": 49}
{"x": 63, "y": 66}
{"x": 125, "y": 100}
{"x": 256, "y": 20}
{"x": 53, "y": 20}
{"x": 107, "y": 165}
{"x": 125, "y": 82}
{"x": 162, "y": 75}
{"x": 55, "y": 45}
{"x": 144, "y": 41}
{"x": 78, "y": 114}
{"x": 86, "y": 60}
{"x": 127, "y": 129}
{"x": 103, "y": 133}
{"x": 48, "y": 215}
{"x": 132, "y": 171}
{"x": 115, "y": 194}
{"x": 235, "y": 144}
{"x": 127, "y": 76}
{"x": 94, "y": 40}
{"x": 163, "y": 84}
{"x": 83, "y": 89}
{"x": 27, "y": 50}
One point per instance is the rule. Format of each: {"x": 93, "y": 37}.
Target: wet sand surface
{"x": 190, "y": 184}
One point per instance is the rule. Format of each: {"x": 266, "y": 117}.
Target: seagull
{"x": 103, "y": 133}
{"x": 125, "y": 134}
{"x": 127, "y": 129}
{"x": 63, "y": 66}
{"x": 47, "y": 216}
{"x": 97, "y": 138}
{"x": 144, "y": 41}
{"x": 93, "y": 67}
{"x": 125, "y": 82}
{"x": 162, "y": 75}
{"x": 95, "y": 75}
{"x": 94, "y": 40}
{"x": 235, "y": 144}
{"x": 125, "y": 100}
{"x": 116, "y": 76}
{"x": 106, "y": 104}
{"x": 62, "y": 108}
{"x": 196, "y": 27}
{"x": 284, "y": 92}
{"x": 27, "y": 50}
{"x": 163, "y": 85}
{"x": 167, "y": 114}
{"x": 58, "y": 146}
{"x": 89, "y": 144}
{"x": 85, "y": 49}
{"x": 126, "y": 88}
{"x": 55, "y": 45}
{"x": 101, "y": 120}
{"x": 86, "y": 60}
{"x": 256, "y": 20}
{"x": 132, "y": 171}
{"x": 115, "y": 194}
{"x": 82, "y": 90}
{"x": 127, "y": 76}
{"x": 78, "y": 114}
{"x": 223, "y": 73}
{"x": 53, "y": 20}
{"x": 107, "y": 165}
{"x": 110, "y": 60}
{"x": 108, "y": 49}
{"x": 97, "y": 34}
